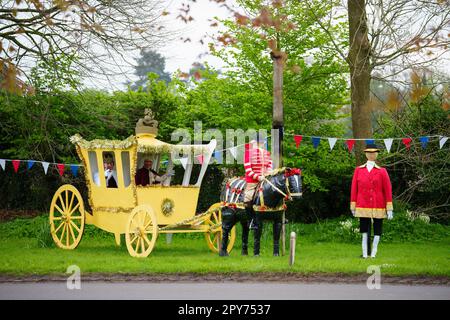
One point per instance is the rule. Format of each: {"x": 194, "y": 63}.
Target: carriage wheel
{"x": 141, "y": 231}
{"x": 67, "y": 217}
{"x": 214, "y": 238}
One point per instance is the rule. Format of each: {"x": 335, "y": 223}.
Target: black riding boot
{"x": 257, "y": 237}
{"x": 276, "y": 237}
{"x": 223, "y": 249}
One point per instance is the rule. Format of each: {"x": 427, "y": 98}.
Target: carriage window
{"x": 94, "y": 167}
{"x": 110, "y": 169}
{"x": 126, "y": 168}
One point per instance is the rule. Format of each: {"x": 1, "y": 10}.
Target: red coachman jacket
{"x": 371, "y": 194}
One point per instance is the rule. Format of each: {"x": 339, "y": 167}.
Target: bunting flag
{"x": 2, "y": 163}
{"x": 218, "y": 156}
{"x": 184, "y": 162}
{"x": 315, "y": 141}
{"x": 350, "y": 144}
{"x": 233, "y": 151}
{"x": 200, "y": 158}
{"x": 74, "y": 169}
{"x": 298, "y": 140}
{"x": 370, "y": 141}
{"x": 332, "y": 142}
{"x": 16, "y": 165}
{"x": 60, "y": 168}
{"x": 388, "y": 144}
{"x": 407, "y": 142}
{"x": 442, "y": 141}
{"x": 45, "y": 166}
{"x": 30, "y": 164}
{"x": 424, "y": 141}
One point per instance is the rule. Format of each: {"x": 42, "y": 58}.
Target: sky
{"x": 179, "y": 55}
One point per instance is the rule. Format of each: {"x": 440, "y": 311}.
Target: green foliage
{"x": 43, "y": 236}
{"x": 55, "y": 74}
{"x": 420, "y": 177}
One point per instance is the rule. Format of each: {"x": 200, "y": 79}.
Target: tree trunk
{"x": 278, "y": 114}
{"x": 359, "y": 62}
{"x": 278, "y": 126}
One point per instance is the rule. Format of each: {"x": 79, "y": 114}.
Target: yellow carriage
{"x": 139, "y": 212}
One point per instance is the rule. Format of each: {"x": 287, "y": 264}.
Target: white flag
{"x": 442, "y": 141}
{"x": 332, "y": 142}
{"x": 2, "y": 163}
{"x": 388, "y": 144}
{"x": 184, "y": 162}
{"x": 45, "y": 166}
{"x": 233, "y": 152}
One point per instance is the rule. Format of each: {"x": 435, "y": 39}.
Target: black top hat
{"x": 371, "y": 147}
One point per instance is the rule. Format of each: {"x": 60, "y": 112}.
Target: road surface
{"x": 219, "y": 291}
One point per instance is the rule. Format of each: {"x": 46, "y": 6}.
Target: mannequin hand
{"x": 261, "y": 178}
{"x": 353, "y": 212}
{"x": 390, "y": 215}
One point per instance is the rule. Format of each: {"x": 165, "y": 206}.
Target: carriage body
{"x": 139, "y": 212}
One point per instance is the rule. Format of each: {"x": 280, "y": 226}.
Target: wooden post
{"x": 292, "y": 249}
{"x": 278, "y": 122}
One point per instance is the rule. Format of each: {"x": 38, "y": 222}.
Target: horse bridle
{"x": 286, "y": 196}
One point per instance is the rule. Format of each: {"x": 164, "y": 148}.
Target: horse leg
{"x": 245, "y": 231}
{"x": 277, "y": 225}
{"x": 257, "y": 234}
{"x": 227, "y": 224}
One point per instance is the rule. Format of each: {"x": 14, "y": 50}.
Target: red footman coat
{"x": 371, "y": 194}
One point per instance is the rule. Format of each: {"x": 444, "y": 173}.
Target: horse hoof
{"x": 244, "y": 253}
{"x": 276, "y": 254}
{"x": 223, "y": 254}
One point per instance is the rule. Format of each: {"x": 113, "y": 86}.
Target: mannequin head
{"x": 371, "y": 152}
{"x": 371, "y": 156}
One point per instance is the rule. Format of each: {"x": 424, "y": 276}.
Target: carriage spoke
{"x": 215, "y": 217}
{"x": 62, "y": 202}
{"x": 57, "y": 218}
{"x": 57, "y": 229}
{"x": 67, "y": 235}
{"x": 59, "y": 209}
{"x": 74, "y": 208}
{"x": 66, "y": 204}
{"x": 72, "y": 233}
{"x": 138, "y": 243}
{"x": 146, "y": 240}
{"x": 75, "y": 226}
{"x": 142, "y": 246}
{"x": 63, "y": 232}
{"x": 134, "y": 239}
{"x": 76, "y": 218}
{"x": 147, "y": 225}
{"x": 71, "y": 201}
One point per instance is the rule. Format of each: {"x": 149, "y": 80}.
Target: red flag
{"x": 16, "y": 165}
{"x": 60, "y": 168}
{"x": 200, "y": 158}
{"x": 350, "y": 143}
{"x": 298, "y": 139}
{"x": 407, "y": 142}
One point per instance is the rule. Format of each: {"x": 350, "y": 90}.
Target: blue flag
{"x": 30, "y": 164}
{"x": 218, "y": 156}
{"x": 370, "y": 141}
{"x": 315, "y": 141}
{"x": 424, "y": 141}
{"x": 74, "y": 169}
